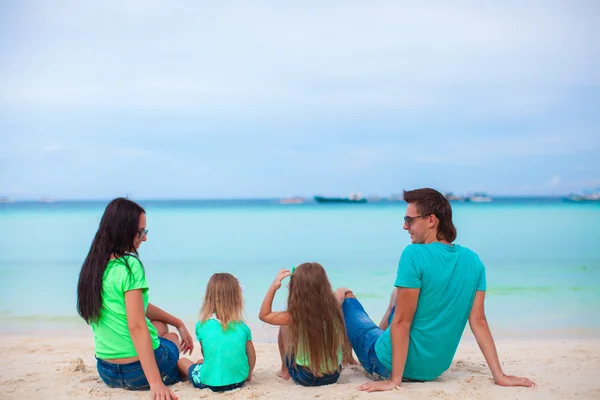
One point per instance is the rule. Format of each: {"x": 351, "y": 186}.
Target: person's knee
{"x": 161, "y": 328}
{"x": 172, "y": 337}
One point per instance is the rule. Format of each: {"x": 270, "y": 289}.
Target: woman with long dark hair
{"x": 133, "y": 345}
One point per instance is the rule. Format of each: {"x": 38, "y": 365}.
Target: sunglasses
{"x": 143, "y": 233}
{"x": 408, "y": 220}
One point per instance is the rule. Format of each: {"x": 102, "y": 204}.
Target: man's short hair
{"x": 430, "y": 201}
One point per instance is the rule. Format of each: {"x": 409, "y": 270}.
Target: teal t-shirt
{"x": 448, "y": 276}
{"x": 225, "y": 357}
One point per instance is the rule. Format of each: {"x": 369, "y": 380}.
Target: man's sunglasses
{"x": 408, "y": 220}
{"x": 143, "y": 233}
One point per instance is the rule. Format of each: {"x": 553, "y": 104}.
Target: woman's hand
{"x": 284, "y": 273}
{"x": 187, "y": 342}
{"x": 159, "y": 391}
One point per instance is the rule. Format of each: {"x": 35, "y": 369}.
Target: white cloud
{"x": 313, "y": 54}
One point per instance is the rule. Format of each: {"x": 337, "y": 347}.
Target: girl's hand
{"x": 187, "y": 343}
{"x": 284, "y": 273}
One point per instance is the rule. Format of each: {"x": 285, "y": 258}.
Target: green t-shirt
{"x": 302, "y": 359}
{"x": 111, "y": 333}
{"x": 448, "y": 276}
{"x": 225, "y": 357}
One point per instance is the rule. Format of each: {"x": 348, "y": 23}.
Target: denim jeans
{"x": 305, "y": 377}
{"x": 131, "y": 376}
{"x": 194, "y": 377}
{"x": 363, "y": 334}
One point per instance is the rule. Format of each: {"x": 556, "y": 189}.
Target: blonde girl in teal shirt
{"x": 226, "y": 341}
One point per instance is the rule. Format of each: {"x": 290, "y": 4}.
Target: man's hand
{"x": 510, "y": 380}
{"x": 380, "y": 386}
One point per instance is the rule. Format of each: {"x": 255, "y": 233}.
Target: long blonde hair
{"x": 316, "y": 321}
{"x": 223, "y": 298}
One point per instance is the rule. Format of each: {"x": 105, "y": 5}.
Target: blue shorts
{"x": 305, "y": 377}
{"x": 131, "y": 376}
{"x": 194, "y": 377}
{"x": 363, "y": 334}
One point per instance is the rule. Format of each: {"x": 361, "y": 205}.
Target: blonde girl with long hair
{"x": 312, "y": 335}
{"x": 226, "y": 341}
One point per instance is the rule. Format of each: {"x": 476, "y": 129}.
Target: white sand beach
{"x": 57, "y": 366}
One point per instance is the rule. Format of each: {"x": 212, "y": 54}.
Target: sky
{"x": 190, "y": 99}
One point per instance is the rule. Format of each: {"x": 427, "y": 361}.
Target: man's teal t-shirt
{"x": 225, "y": 357}
{"x": 448, "y": 276}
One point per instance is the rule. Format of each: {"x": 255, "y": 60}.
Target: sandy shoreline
{"x": 63, "y": 366}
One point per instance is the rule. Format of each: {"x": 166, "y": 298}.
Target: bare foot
{"x": 283, "y": 374}
{"x": 349, "y": 361}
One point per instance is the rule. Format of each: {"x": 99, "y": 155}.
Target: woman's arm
{"x": 251, "y": 358}
{"x": 266, "y": 314}
{"x": 483, "y": 335}
{"x": 140, "y": 336}
{"x": 156, "y": 314}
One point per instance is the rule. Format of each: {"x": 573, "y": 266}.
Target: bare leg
{"x": 184, "y": 365}
{"x": 348, "y": 357}
{"x": 161, "y": 328}
{"x": 384, "y": 321}
{"x": 282, "y": 344}
{"x": 163, "y": 331}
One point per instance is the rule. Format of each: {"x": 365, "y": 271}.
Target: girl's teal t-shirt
{"x": 225, "y": 357}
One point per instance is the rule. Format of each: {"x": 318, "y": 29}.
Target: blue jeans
{"x": 305, "y": 377}
{"x": 363, "y": 334}
{"x": 131, "y": 376}
{"x": 194, "y": 377}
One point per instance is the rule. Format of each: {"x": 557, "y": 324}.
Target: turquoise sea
{"x": 542, "y": 257}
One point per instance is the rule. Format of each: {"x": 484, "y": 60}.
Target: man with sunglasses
{"x": 439, "y": 286}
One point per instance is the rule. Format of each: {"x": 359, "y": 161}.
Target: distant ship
{"x": 353, "y": 198}
{"x": 292, "y": 200}
{"x": 451, "y": 197}
{"x": 479, "y": 198}
{"x": 586, "y": 198}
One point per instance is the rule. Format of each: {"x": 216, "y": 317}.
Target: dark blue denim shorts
{"x": 304, "y": 376}
{"x": 363, "y": 334}
{"x": 194, "y": 377}
{"x": 131, "y": 376}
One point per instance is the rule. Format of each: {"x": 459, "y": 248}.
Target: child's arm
{"x": 251, "y": 358}
{"x": 266, "y": 314}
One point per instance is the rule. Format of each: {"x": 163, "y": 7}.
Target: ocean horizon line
{"x": 373, "y": 198}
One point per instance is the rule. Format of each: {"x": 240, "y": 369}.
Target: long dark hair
{"x": 430, "y": 201}
{"x": 116, "y": 234}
